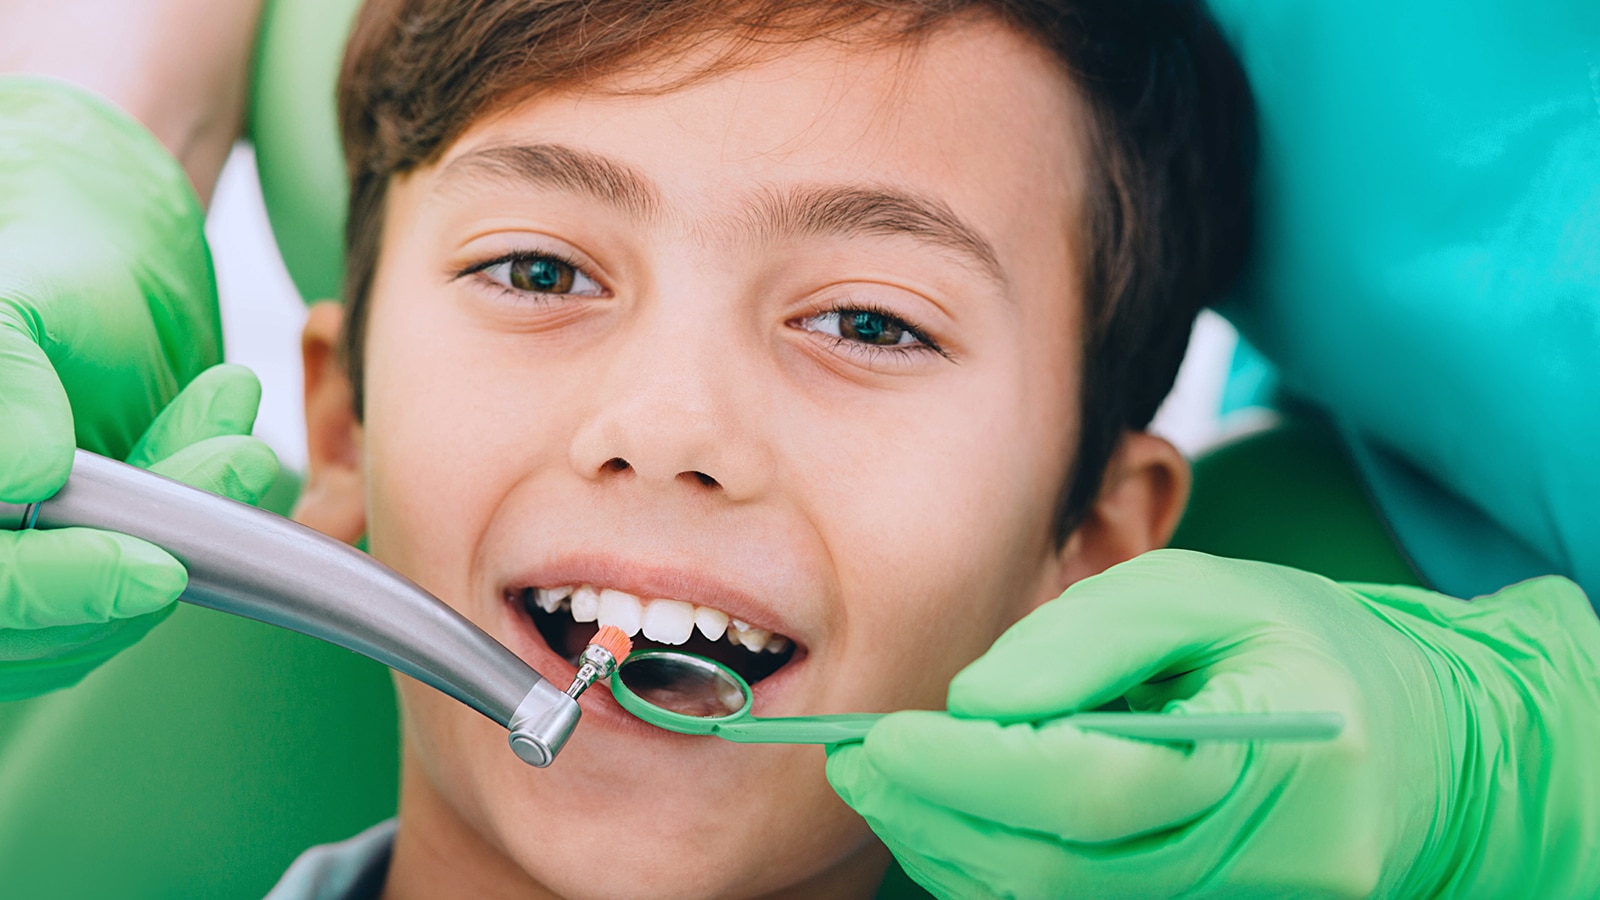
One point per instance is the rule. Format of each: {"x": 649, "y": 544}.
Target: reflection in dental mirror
{"x": 685, "y": 684}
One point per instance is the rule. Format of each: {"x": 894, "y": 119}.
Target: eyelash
{"x": 923, "y": 344}
{"x": 518, "y": 256}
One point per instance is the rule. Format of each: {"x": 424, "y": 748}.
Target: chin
{"x": 629, "y": 810}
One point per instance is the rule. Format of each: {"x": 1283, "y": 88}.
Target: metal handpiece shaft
{"x": 252, "y": 563}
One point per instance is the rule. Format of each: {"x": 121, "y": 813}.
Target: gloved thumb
{"x": 202, "y": 437}
{"x": 1052, "y": 778}
{"x": 236, "y": 466}
{"x": 35, "y": 417}
{"x": 222, "y": 400}
{"x": 1159, "y": 615}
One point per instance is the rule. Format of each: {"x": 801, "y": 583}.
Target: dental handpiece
{"x": 252, "y": 563}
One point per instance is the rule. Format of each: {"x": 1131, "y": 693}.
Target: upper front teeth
{"x": 621, "y": 610}
{"x": 661, "y": 619}
{"x": 667, "y": 621}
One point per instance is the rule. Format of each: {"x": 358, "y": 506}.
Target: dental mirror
{"x": 691, "y": 694}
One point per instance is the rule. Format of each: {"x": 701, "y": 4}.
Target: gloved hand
{"x": 71, "y": 598}
{"x": 1466, "y": 767}
{"x": 107, "y": 307}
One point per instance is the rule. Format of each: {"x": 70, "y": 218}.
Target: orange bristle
{"x": 615, "y": 641}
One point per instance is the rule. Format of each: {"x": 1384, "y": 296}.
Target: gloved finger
{"x": 1256, "y": 680}
{"x": 56, "y": 643}
{"x": 1145, "y": 619}
{"x": 219, "y": 401}
{"x": 1055, "y": 778}
{"x": 233, "y": 465}
{"x": 81, "y": 576}
{"x": 961, "y": 856}
{"x": 35, "y": 417}
{"x": 38, "y": 661}
{"x": 909, "y": 826}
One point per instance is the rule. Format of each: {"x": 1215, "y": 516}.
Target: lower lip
{"x": 524, "y": 639}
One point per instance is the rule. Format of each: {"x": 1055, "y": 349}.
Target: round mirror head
{"x": 679, "y": 691}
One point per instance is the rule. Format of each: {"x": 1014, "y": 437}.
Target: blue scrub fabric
{"x": 1428, "y": 265}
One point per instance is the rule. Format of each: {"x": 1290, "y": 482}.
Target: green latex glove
{"x": 1466, "y": 767}
{"x": 107, "y": 307}
{"x": 71, "y": 598}
{"x": 107, "y": 298}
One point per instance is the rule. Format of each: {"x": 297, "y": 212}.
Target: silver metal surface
{"x": 595, "y": 663}
{"x": 252, "y": 563}
{"x": 542, "y": 723}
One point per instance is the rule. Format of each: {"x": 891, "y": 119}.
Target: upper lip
{"x": 649, "y": 581}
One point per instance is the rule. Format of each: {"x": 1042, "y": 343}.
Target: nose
{"x": 673, "y": 407}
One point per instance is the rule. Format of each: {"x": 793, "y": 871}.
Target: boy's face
{"x": 808, "y": 356}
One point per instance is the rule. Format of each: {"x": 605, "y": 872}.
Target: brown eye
{"x": 868, "y": 328}
{"x": 539, "y": 273}
{"x": 871, "y": 328}
{"x": 542, "y": 275}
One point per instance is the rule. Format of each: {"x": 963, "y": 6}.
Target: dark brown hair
{"x": 1171, "y": 137}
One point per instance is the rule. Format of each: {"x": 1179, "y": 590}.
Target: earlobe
{"x": 1141, "y": 500}
{"x": 333, "y": 500}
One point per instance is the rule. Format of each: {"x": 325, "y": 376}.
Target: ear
{"x": 333, "y": 500}
{"x": 1141, "y": 500}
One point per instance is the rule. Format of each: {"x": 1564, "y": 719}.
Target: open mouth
{"x": 568, "y": 616}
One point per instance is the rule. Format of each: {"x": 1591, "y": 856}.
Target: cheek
{"x": 939, "y": 525}
{"x": 447, "y": 431}
{"x": 404, "y": 438}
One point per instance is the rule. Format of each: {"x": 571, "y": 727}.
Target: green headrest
{"x": 295, "y": 128}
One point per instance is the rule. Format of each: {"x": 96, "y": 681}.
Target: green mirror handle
{"x": 1308, "y": 726}
{"x": 1313, "y": 726}
{"x": 836, "y": 729}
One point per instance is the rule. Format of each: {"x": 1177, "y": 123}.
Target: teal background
{"x": 1428, "y": 270}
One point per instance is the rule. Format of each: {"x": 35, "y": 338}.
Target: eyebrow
{"x": 564, "y": 168}
{"x": 807, "y": 210}
{"x": 878, "y": 211}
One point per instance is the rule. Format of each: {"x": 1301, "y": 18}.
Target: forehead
{"x": 973, "y": 117}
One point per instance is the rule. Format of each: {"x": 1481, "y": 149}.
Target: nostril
{"x": 701, "y": 477}
{"x": 615, "y": 464}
